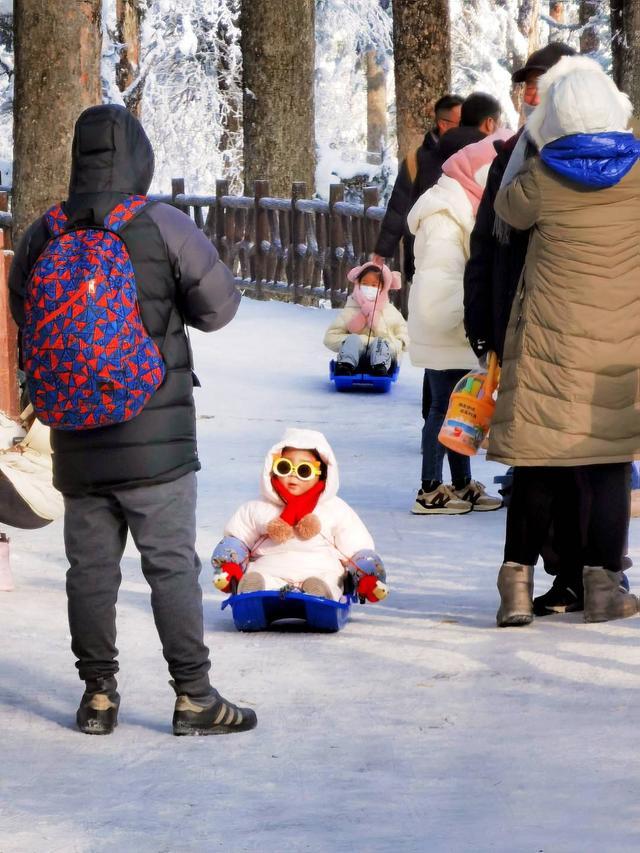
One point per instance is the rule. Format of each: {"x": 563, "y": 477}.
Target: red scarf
{"x": 297, "y": 506}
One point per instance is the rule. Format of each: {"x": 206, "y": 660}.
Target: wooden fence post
{"x": 370, "y": 232}
{"x": 263, "y": 237}
{"x": 222, "y": 189}
{"x": 336, "y": 243}
{"x": 297, "y": 248}
{"x": 177, "y": 188}
{"x": 9, "y": 389}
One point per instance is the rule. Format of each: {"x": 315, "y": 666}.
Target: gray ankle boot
{"x": 604, "y": 596}
{"x": 515, "y": 585}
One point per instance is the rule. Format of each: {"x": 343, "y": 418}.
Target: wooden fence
{"x": 294, "y": 249}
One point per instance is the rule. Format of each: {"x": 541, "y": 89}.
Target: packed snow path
{"x": 419, "y": 727}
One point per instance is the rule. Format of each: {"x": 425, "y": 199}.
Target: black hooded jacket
{"x": 493, "y": 270}
{"x": 430, "y": 160}
{"x": 179, "y": 279}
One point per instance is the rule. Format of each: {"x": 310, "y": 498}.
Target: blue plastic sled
{"x": 259, "y": 611}
{"x": 363, "y": 381}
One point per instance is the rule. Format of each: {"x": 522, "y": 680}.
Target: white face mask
{"x": 369, "y": 292}
{"x": 527, "y": 109}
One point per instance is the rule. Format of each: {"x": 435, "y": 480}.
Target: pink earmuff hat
{"x": 390, "y": 280}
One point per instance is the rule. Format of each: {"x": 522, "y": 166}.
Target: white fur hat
{"x": 577, "y": 96}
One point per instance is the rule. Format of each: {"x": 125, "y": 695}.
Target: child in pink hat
{"x": 369, "y": 331}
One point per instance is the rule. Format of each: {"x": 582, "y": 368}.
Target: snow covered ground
{"x": 419, "y": 727}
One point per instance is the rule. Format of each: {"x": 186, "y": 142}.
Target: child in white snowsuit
{"x": 299, "y": 534}
{"x": 369, "y": 325}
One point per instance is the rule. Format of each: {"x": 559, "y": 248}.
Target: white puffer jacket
{"x": 391, "y": 326}
{"x": 342, "y": 532}
{"x": 28, "y": 467}
{"x": 442, "y": 220}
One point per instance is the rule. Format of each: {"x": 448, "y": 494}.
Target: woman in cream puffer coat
{"x": 442, "y": 220}
{"x": 569, "y": 399}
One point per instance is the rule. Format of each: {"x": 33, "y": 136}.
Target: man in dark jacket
{"x": 138, "y": 476}
{"x": 394, "y": 225}
{"x": 479, "y": 116}
{"x": 490, "y": 282}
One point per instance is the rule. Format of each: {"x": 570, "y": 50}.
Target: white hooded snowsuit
{"x": 324, "y": 556}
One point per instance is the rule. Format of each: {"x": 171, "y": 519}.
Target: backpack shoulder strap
{"x": 56, "y": 220}
{"x": 123, "y": 213}
{"x": 412, "y": 165}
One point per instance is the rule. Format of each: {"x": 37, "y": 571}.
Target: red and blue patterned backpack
{"x": 89, "y": 360}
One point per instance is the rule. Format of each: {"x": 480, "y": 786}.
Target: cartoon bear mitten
{"x": 229, "y": 560}
{"x": 368, "y": 574}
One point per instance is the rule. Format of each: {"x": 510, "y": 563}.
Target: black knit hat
{"x": 543, "y": 60}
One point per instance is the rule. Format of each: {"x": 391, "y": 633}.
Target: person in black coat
{"x": 138, "y": 477}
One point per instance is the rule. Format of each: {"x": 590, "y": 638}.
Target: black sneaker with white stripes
{"x": 215, "y": 716}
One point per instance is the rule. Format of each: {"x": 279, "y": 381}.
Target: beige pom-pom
{"x": 278, "y": 530}
{"x": 308, "y": 527}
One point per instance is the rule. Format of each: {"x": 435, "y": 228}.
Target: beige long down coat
{"x": 570, "y": 385}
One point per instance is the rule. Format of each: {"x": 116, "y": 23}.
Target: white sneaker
{"x": 441, "y": 501}
{"x": 476, "y": 495}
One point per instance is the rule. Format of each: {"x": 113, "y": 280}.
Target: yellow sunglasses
{"x": 303, "y": 470}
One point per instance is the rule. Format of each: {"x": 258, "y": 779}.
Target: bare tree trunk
{"x": 376, "y": 103}
{"x": 625, "y": 27}
{"x": 589, "y": 42}
{"x": 128, "y": 19}
{"x": 278, "y": 55}
{"x": 57, "y": 56}
{"x": 422, "y": 57}
{"x": 232, "y": 95}
{"x": 528, "y": 18}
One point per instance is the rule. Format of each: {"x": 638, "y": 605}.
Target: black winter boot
{"x": 563, "y": 597}
{"x": 98, "y": 711}
{"x": 210, "y": 715}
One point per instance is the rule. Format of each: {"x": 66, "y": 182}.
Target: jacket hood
{"x": 447, "y": 196}
{"x": 457, "y": 138}
{"x": 576, "y": 96}
{"x": 595, "y": 160}
{"x": 470, "y": 166}
{"x": 302, "y": 439}
{"x": 111, "y": 153}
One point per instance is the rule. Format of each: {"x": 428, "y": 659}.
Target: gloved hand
{"x": 368, "y": 576}
{"x": 224, "y": 576}
{"x": 480, "y": 347}
{"x": 229, "y": 560}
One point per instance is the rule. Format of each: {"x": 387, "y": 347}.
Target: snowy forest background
{"x": 191, "y": 66}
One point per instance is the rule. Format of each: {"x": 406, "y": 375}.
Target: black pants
{"x": 587, "y": 507}
{"x": 161, "y": 519}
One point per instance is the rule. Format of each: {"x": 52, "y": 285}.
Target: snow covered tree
{"x": 278, "y": 50}
{"x": 348, "y": 34}
{"x": 57, "y": 59}
{"x": 422, "y": 55}
{"x": 188, "y": 78}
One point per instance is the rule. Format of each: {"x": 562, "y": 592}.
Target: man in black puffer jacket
{"x": 138, "y": 476}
